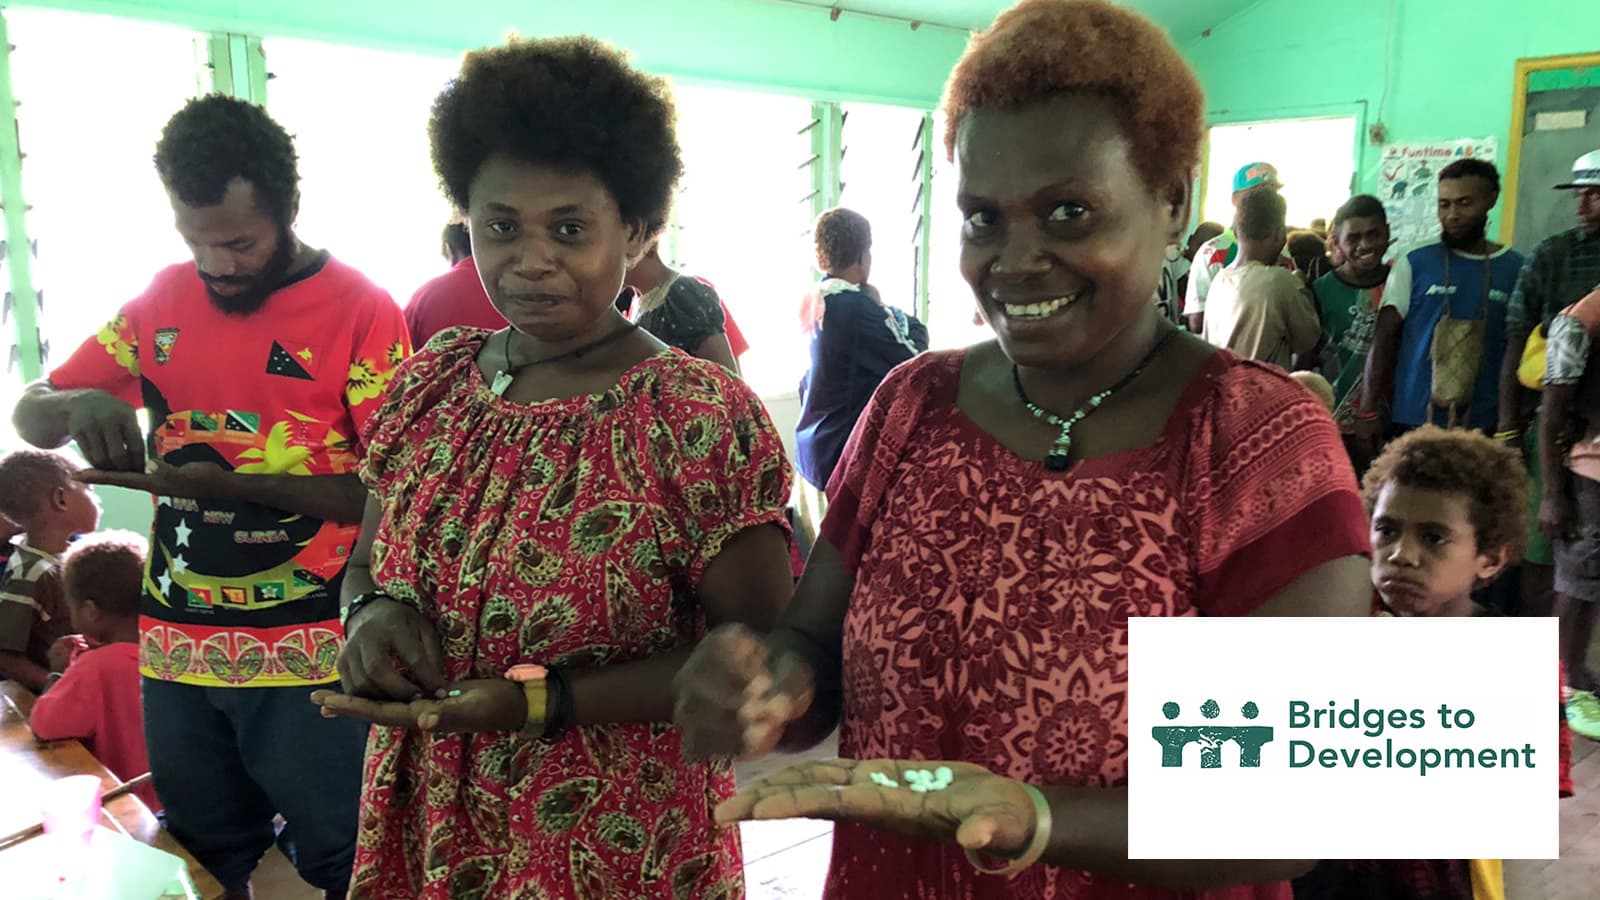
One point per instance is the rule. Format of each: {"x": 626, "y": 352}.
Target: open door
{"x": 1555, "y": 118}
{"x": 1315, "y": 159}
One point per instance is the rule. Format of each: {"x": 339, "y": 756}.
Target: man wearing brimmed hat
{"x": 1220, "y": 251}
{"x": 1551, "y": 291}
{"x": 1563, "y": 269}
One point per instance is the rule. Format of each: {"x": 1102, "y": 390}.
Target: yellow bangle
{"x": 536, "y": 692}
{"x": 1036, "y": 847}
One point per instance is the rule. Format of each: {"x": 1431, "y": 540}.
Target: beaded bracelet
{"x": 1036, "y": 847}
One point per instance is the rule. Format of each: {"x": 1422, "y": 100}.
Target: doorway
{"x": 1555, "y": 120}
{"x": 1315, "y": 159}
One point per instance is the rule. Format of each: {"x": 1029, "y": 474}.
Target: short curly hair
{"x": 1489, "y": 475}
{"x": 1041, "y": 49}
{"x": 106, "y": 569}
{"x": 1473, "y": 167}
{"x": 1361, "y": 206}
{"x": 215, "y": 139}
{"x": 26, "y": 479}
{"x": 571, "y": 102}
{"x": 1261, "y": 214}
{"x": 842, "y": 236}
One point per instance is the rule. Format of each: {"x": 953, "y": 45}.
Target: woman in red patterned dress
{"x": 967, "y": 606}
{"x": 558, "y": 512}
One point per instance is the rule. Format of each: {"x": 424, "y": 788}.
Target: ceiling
{"x": 1184, "y": 19}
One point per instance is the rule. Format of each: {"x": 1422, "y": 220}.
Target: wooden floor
{"x": 1576, "y": 875}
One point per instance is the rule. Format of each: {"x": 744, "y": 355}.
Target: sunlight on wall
{"x": 741, "y": 220}
{"x": 99, "y": 214}
{"x": 360, "y": 124}
{"x": 880, "y": 182}
{"x": 1315, "y": 159}
{"x": 950, "y": 301}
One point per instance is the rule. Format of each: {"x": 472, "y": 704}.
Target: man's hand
{"x": 107, "y": 431}
{"x": 194, "y": 481}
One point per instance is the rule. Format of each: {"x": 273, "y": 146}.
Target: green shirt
{"x": 1349, "y": 315}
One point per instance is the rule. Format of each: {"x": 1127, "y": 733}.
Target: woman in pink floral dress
{"x": 1003, "y": 511}
{"x": 566, "y": 499}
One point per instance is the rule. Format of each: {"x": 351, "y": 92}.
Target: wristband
{"x": 536, "y": 691}
{"x": 354, "y": 606}
{"x": 562, "y": 715}
{"x": 1041, "y": 839}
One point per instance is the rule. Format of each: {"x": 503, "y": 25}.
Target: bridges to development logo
{"x": 1173, "y": 738}
{"x": 1419, "y": 736}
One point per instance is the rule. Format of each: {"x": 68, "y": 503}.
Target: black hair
{"x": 843, "y": 237}
{"x": 568, "y": 102}
{"x": 1471, "y": 167}
{"x": 216, "y": 138}
{"x": 1361, "y": 206}
{"x": 27, "y": 478}
{"x": 1261, "y": 213}
{"x": 1489, "y": 475}
{"x": 457, "y": 240}
{"x": 1305, "y": 248}
{"x": 106, "y": 569}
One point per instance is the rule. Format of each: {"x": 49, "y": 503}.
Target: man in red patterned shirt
{"x": 257, "y": 363}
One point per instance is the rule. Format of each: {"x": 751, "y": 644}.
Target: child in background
{"x": 1255, "y": 307}
{"x": 96, "y": 699}
{"x": 39, "y": 493}
{"x": 9, "y": 532}
{"x": 1316, "y": 384}
{"x": 1449, "y": 513}
{"x": 1348, "y": 299}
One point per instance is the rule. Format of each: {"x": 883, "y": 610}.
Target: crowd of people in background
{"x": 1458, "y": 331}
{"x": 481, "y": 597}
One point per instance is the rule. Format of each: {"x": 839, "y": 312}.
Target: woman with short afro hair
{"x": 1003, "y": 511}
{"x": 559, "y": 511}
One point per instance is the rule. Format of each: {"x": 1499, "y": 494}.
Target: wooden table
{"x": 26, "y": 763}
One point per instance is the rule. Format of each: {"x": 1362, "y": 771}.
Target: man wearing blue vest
{"x": 1441, "y": 332}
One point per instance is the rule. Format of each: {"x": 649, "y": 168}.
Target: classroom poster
{"x": 1408, "y": 183}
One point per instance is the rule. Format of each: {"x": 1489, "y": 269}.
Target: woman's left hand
{"x": 487, "y": 704}
{"x": 975, "y": 808}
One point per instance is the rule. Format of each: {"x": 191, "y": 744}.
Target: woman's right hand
{"x": 737, "y": 693}
{"x": 391, "y": 653}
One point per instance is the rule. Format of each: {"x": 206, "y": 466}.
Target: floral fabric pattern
{"x": 570, "y": 533}
{"x": 989, "y": 621}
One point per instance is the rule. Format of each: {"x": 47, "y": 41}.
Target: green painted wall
{"x": 766, "y": 45}
{"x": 1449, "y": 71}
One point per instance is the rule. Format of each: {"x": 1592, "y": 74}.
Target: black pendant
{"x": 1056, "y": 462}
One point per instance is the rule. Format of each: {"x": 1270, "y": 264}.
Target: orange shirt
{"x": 237, "y": 593}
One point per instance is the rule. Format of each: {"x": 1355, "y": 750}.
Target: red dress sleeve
{"x": 419, "y": 383}
{"x": 867, "y": 465}
{"x": 727, "y": 470}
{"x": 1272, "y": 492}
